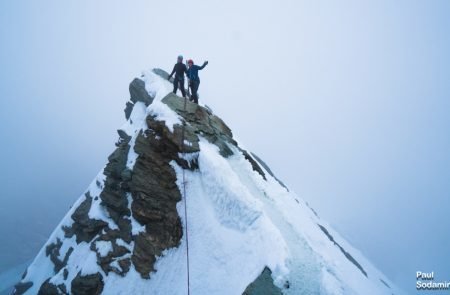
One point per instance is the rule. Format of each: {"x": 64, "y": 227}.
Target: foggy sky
{"x": 347, "y": 101}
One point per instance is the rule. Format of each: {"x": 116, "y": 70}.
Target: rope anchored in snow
{"x": 185, "y": 198}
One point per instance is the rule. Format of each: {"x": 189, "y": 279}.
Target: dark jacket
{"x": 192, "y": 72}
{"x": 179, "y": 69}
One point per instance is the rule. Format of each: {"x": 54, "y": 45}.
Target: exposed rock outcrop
{"x": 128, "y": 109}
{"x": 84, "y": 228}
{"x": 346, "y": 254}
{"x": 144, "y": 195}
{"x": 254, "y": 164}
{"x": 263, "y": 284}
{"x": 48, "y": 288}
{"x": 22, "y": 287}
{"x": 155, "y": 193}
{"x": 267, "y": 168}
{"x": 138, "y": 92}
{"x": 87, "y": 285}
{"x": 202, "y": 122}
{"x": 151, "y": 184}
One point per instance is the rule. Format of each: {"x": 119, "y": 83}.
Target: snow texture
{"x": 238, "y": 224}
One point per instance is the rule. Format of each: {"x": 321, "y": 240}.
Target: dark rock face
{"x": 117, "y": 251}
{"x": 123, "y": 136}
{"x": 147, "y": 193}
{"x": 263, "y": 284}
{"x": 163, "y": 74}
{"x": 138, "y": 92}
{"x": 346, "y": 254}
{"x": 155, "y": 193}
{"x": 84, "y": 228}
{"x": 203, "y": 122}
{"x": 267, "y": 168}
{"x": 128, "y": 109}
{"x": 116, "y": 187}
{"x": 52, "y": 251}
{"x": 48, "y": 288}
{"x": 87, "y": 285}
{"x": 254, "y": 164}
{"x": 22, "y": 287}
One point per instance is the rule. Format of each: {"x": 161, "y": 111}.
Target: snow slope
{"x": 239, "y": 223}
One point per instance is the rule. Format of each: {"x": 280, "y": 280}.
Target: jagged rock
{"x": 114, "y": 194}
{"x": 24, "y": 273}
{"x": 87, "y": 285}
{"x": 128, "y": 109}
{"x": 153, "y": 182}
{"x": 263, "y": 285}
{"x": 105, "y": 261}
{"x": 139, "y": 93}
{"x": 48, "y": 288}
{"x": 254, "y": 164}
{"x": 148, "y": 194}
{"x": 124, "y": 232}
{"x": 220, "y": 125}
{"x": 84, "y": 228}
{"x": 125, "y": 265}
{"x": 346, "y": 254}
{"x": 260, "y": 161}
{"x": 63, "y": 289}
{"x": 144, "y": 254}
{"x": 116, "y": 201}
{"x": 80, "y": 214}
{"x": 52, "y": 250}
{"x": 22, "y": 287}
{"x": 126, "y": 174}
{"x": 203, "y": 122}
{"x": 117, "y": 161}
{"x": 148, "y": 245}
{"x": 155, "y": 193}
{"x": 123, "y": 135}
{"x": 163, "y": 74}
{"x": 173, "y": 140}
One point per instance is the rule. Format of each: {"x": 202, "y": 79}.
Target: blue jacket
{"x": 192, "y": 72}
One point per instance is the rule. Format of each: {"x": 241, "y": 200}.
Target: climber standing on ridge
{"x": 194, "y": 80}
{"x": 179, "y": 69}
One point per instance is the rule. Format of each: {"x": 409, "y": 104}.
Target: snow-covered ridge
{"x": 122, "y": 237}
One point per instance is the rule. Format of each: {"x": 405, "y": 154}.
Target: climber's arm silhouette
{"x": 203, "y": 66}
